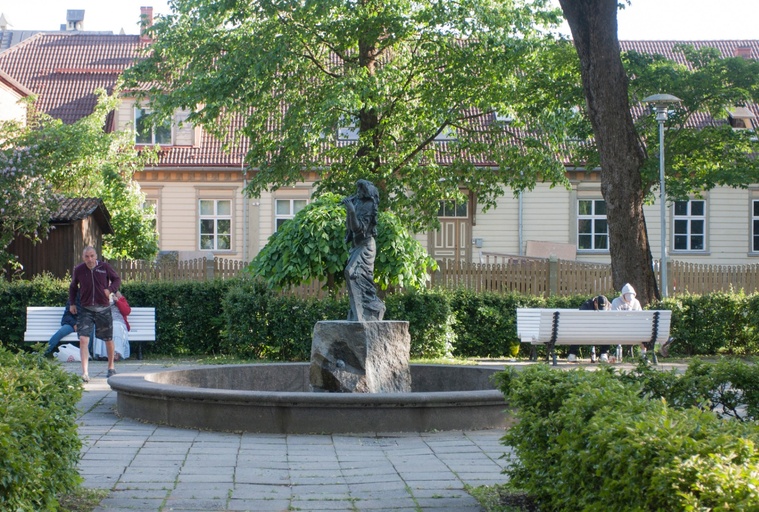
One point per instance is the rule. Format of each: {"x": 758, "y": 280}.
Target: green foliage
{"x": 699, "y": 158}
{"x": 395, "y": 71}
{"x": 430, "y": 318}
{"x": 42, "y": 290}
{"x": 262, "y": 324}
{"x": 486, "y": 323}
{"x": 714, "y": 323}
{"x": 26, "y": 200}
{"x": 189, "y": 315}
{"x": 47, "y": 159}
{"x": 588, "y": 441}
{"x": 726, "y": 387}
{"x": 248, "y": 318}
{"x": 309, "y": 246}
{"x": 312, "y": 246}
{"x": 39, "y": 443}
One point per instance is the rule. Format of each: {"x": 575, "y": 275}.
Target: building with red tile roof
{"x": 197, "y": 187}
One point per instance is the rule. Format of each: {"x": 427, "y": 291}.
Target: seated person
{"x": 120, "y": 309}
{"x": 627, "y": 302}
{"x": 68, "y": 325}
{"x": 597, "y": 303}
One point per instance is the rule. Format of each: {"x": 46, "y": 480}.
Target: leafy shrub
{"x": 727, "y": 387}
{"x": 590, "y": 441}
{"x": 196, "y": 318}
{"x": 39, "y": 443}
{"x": 429, "y": 315}
{"x": 43, "y": 290}
{"x": 715, "y": 323}
{"x": 263, "y": 324}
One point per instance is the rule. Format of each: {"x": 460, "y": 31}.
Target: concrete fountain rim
{"x": 143, "y": 397}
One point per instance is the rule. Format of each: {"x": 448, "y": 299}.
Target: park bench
{"x": 43, "y": 321}
{"x": 551, "y": 327}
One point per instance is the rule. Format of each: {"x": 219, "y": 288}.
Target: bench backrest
{"x": 576, "y": 327}
{"x": 43, "y": 321}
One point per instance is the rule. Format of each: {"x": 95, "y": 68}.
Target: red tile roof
{"x": 65, "y": 69}
{"x": 736, "y": 48}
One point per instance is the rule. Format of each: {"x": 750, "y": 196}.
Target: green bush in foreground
{"x": 594, "y": 441}
{"x": 39, "y": 444}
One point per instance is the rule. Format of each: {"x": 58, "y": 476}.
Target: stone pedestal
{"x": 360, "y": 357}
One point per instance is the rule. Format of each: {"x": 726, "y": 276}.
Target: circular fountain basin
{"x": 276, "y": 398}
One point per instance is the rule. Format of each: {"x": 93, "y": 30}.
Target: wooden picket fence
{"x": 699, "y": 279}
{"x": 506, "y": 273}
{"x": 526, "y": 275}
{"x": 200, "y": 269}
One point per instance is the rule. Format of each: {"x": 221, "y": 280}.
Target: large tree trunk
{"x": 594, "y": 29}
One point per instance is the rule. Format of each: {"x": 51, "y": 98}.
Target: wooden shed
{"x": 79, "y": 222}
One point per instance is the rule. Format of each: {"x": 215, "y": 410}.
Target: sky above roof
{"x": 642, "y": 20}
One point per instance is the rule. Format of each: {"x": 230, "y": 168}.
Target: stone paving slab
{"x": 158, "y": 468}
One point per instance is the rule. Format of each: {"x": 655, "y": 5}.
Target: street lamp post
{"x": 660, "y": 103}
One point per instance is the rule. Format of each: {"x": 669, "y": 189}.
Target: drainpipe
{"x": 244, "y": 214}
{"x": 519, "y": 220}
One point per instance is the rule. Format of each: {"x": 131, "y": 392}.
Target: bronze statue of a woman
{"x": 361, "y": 220}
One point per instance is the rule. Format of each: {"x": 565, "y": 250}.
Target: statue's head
{"x": 365, "y": 188}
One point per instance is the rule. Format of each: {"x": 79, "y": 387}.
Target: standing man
{"x": 94, "y": 281}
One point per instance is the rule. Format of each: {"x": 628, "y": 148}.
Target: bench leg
{"x": 139, "y": 351}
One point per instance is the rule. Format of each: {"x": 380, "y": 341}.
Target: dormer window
{"x": 502, "y": 117}
{"x": 741, "y": 118}
{"x": 145, "y": 133}
{"x": 447, "y": 134}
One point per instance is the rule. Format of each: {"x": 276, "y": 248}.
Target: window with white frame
{"x": 592, "y": 225}
{"x": 285, "y": 209}
{"x": 215, "y": 229}
{"x": 755, "y": 225}
{"x": 689, "y": 225}
{"x": 150, "y": 208}
{"x": 145, "y": 133}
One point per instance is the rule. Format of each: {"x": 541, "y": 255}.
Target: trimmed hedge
{"x": 243, "y": 317}
{"x": 597, "y": 441}
{"x": 39, "y": 443}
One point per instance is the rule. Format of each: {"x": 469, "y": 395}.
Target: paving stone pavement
{"x": 150, "y": 467}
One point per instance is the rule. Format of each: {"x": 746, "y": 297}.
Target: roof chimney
{"x": 146, "y": 21}
{"x": 75, "y": 19}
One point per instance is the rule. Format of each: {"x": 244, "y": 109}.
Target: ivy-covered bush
{"x": 39, "y": 444}
{"x": 589, "y": 440}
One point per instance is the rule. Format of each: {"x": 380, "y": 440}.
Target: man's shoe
{"x": 111, "y": 372}
{"x": 571, "y": 358}
{"x": 604, "y": 358}
{"x": 85, "y": 378}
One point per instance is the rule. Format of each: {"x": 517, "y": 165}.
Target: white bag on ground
{"x": 68, "y": 353}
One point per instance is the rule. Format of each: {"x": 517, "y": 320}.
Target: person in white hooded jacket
{"x": 627, "y": 302}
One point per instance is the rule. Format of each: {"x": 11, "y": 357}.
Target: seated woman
{"x": 120, "y": 310}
